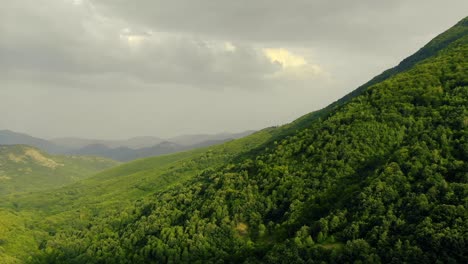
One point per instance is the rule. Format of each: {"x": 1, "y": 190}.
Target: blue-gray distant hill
{"x": 8, "y": 137}
{"x": 121, "y": 150}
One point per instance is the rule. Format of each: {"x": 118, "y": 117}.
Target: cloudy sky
{"x": 121, "y": 68}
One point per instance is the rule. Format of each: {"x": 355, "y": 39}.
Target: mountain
{"x": 377, "y": 177}
{"x": 440, "y": 42}
{"x": 198, "y": 139}
{"x": 121, "y": 150}
{"x": 24, "y": 169}
{"x": 133, "y": 143}
{"x": 176, "y": 144}
{"x": 127, "y": 154}
{"x": 8, "y": 137}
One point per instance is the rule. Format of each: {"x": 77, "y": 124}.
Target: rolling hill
{"x": 377, "y": 177}
{"x": 8, "y": 137}
{"x": 121, "y": 150}
{"x": 148, "y": 141}
{"x": 201, "y": 139}
{"x": 29, "y": 218}
{"x": 128, "y": 154}
{"x": 133, "y": 143}
{"x": 24, "y": 169}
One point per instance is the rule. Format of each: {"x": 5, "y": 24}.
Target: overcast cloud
{"x": 120, "y": 68}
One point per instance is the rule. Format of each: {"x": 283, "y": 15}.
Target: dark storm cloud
{"x": 347, "y": 24}
{"x": 63, "y": 38}
{"x": 153, "y": 67}
{"x": 184, "y": 42}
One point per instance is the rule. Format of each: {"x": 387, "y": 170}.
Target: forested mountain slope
{"x": 379, "y": 178}
{"x": 24, "y": 168}
{"x": 430, "y": 49}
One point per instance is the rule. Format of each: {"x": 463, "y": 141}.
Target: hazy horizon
{"x": 116, "y": 69}
{"x": 127, "y": 138}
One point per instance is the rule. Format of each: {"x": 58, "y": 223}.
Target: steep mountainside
{"x": 24, "y": 168}
{"x": 378, "y": 177}
{"x": 440, "y": 42}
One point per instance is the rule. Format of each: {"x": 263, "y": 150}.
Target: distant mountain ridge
{"x": 8, "y": 137}
{"x": 188, "y": 140}
{"x": 122, "y": 150}
{"x": 133, "y": 143}
{"x": 126, "y": 153}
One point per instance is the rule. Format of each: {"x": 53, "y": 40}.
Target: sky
{"x": 118, "y": 68}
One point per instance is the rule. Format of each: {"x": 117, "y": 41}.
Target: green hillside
{"x": 440, "y": 42}
{"x": 30, "y": 218}
{"x": 379, "y": 176}
{"x": 131, "y": 181}
{"x": 24, "y": 169}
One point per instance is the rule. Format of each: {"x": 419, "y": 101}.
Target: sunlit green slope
{"x": 133, "y": 180}
{"x": 30, "y": 218}
{"x": 24, "y": 168}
